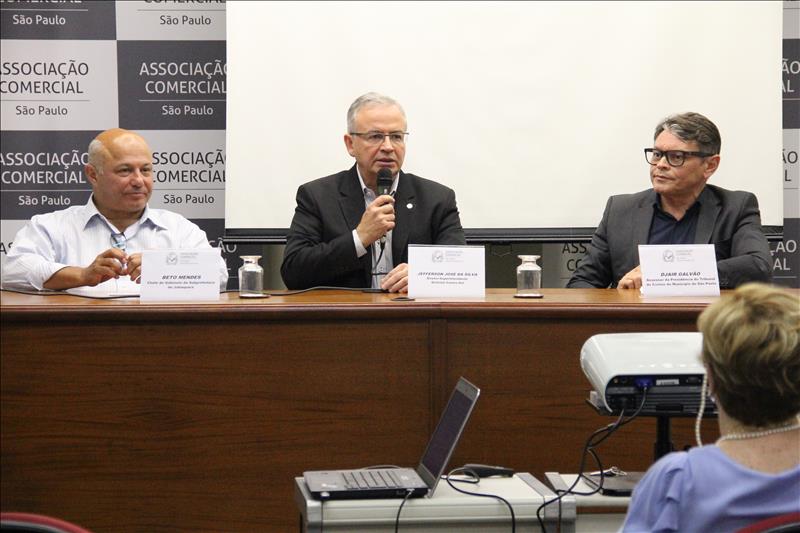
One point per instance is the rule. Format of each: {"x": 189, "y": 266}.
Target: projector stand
{"x": 663, "y": 443}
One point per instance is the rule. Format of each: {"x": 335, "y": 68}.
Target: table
{"x": 129, "y": 416}
{"x": 445, "y": 510}
{"x": 596, "y": 513}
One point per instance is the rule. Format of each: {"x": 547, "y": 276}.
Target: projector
{"x": 620, "y": 366}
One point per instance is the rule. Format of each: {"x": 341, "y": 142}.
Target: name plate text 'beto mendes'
{"x": 169, "y": 275}
{"x": 446, "y": 271}
{"x": 679, "y": 270}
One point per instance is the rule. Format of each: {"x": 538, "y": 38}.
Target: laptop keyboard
{"x": 371, "y": 479}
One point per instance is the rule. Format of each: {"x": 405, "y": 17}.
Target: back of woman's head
{"x": 751, "y": 347}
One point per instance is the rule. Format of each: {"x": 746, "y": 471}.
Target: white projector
{"x": 620, "y": 366}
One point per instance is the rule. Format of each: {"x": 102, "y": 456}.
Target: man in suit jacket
{"x": 680, "y": 209}
{"x": 344, "y": 234}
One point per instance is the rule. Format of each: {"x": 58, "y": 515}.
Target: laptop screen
{"x": 447, "y": 432}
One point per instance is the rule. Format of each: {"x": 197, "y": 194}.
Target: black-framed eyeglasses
{"x": 675, "y": 158}
{"x": 119, "y": 241}
{"x": 397, "y": 138}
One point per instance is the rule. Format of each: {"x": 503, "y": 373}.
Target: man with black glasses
{"x": 101, "y": 242}
{"x": 344, "y": 233}
{"x": 680, "y": 209}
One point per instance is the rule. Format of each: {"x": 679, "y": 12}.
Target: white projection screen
{"x": 533, "y": 112}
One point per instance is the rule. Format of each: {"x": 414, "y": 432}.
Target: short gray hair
{"x": 97, "y": 155}
{"x": 370, "y": 98}
{"x": 692, "y": 127}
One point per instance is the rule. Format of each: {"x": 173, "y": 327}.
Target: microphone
{"x": 384, "y": 181}
{"x": 384, "y": 187}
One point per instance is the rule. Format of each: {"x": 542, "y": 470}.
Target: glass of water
{"x": 529, "y": 276}
{"x": 251, "y": 277}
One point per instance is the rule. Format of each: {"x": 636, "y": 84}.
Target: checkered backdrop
{"x": 71, "y": 69}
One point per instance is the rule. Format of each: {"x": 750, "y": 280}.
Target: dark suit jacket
{"x": 729, "y": 220}
{"x": 320, "y": 248}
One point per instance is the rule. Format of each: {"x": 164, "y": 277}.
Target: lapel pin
{"x": 409, "y": 205}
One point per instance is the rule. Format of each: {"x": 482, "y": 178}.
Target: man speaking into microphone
{"x": 353, "y": 228}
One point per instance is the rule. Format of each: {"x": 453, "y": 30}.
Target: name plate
{"x": 446, "y": 271}
{"x": 169, "y": 275}
{"x": 678, "y": 270}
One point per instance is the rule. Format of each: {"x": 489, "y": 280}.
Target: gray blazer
{"x": 730, "y": 220}
{"x": 319, "y": 246}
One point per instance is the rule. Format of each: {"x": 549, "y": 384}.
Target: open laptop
{"x": 396, "y": 482}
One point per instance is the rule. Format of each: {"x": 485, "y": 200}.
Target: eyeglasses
{"x": 119, "y": 241}
{"x": 675, "y": 158}
{"x": 397, "y": 138}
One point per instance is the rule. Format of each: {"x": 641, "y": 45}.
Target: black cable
{"x": 321, "y": 514}
{"x": 409, "y": 492}
{"x": 495, "y": 496}
{"x": 318, "y": 288}
{"x": 588, "y": 449}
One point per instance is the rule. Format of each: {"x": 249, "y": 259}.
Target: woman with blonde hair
{"x": 751, "y": 351}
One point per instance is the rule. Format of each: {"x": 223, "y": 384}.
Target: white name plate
{"x": 446, "y": 271}
{"x": 678, "y": 270}
{"x": 169, "y": 275}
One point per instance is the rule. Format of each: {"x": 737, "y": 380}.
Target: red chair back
{"x": 785, "y": 523}
{"x": 36, "y": 523}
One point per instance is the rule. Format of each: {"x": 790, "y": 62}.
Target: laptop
{"x": 396, "y": 482}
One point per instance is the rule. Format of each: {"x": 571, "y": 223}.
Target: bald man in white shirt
{"x": 88, "y": 245}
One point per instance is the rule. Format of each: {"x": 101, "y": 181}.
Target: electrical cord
{"x": 301, "y": 291}
{"x": 470, "y": 493}
{"x": 601, "y": 435}
{"x": 321, "y": 515}
{"x": 409, "y": 492}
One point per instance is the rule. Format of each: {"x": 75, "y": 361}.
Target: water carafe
{"x": 251, "y": 277}
{"x": 529, "y": 276}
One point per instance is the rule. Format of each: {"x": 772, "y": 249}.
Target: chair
{"x": 36, "y": 523}
{"x": 785, "y": 523}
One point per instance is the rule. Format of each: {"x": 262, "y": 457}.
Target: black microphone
{"x": 384, "y": 187}
{"x": 384, "y": 181}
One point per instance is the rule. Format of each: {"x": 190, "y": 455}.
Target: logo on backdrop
{"x": 189, "y": 172}
{"x": 171, "y": 85}
{"x": 58, "y": 20}
{"x": 58, "y": 85}
{"x": 42, "y": 171}
{"x": 155, "y": 21}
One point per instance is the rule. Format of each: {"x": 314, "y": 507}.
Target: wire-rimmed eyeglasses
{"x": 397, "y": 138}
{"x": 675, "y": 158}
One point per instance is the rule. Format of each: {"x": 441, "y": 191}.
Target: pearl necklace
{"x": 757, "y": 434}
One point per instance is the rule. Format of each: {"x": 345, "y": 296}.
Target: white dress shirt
{"x": 77, "y": 235}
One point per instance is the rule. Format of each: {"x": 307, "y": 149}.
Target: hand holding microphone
{"x": 379, "y": 217}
